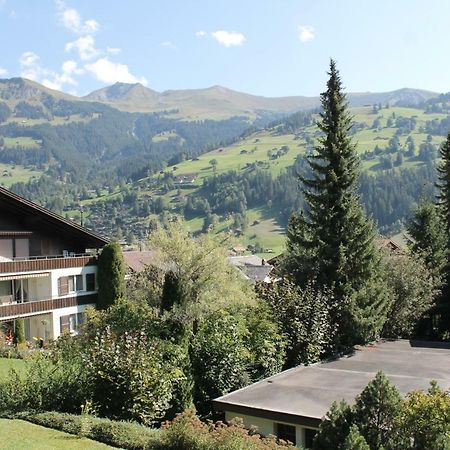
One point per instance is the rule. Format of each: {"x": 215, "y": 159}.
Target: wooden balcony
{"x": 40, "y": 306}
{"x": 47, "y": 263}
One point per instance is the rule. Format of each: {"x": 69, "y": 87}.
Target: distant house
{"x": 292, "y": 404}
{"x": 48, "y": 268}
{"x": 184, "y": 180}
{"x": 137, "y": 261}
{"x": 252, "y": 268}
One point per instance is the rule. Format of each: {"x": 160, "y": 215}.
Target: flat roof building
{"x": 294, "y": 402}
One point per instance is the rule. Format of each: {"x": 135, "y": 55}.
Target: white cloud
{"x": 30, "y": 67}
{"x": 72, "y": 20}
{"x": 169, "y": 44}
{"x": 306, "y": 33}
{"x": 69, "y": 66}
{"x": 110, "y": 72}
{"x": 228, "y": 38}
{"x": 28, "y": 59}
{"x": 85, "y": 45}
{"x": 33, "y": 70}
{"x": 3, "y": 72}
{"x": 113, "y": 50}
{"x": 201, "y": 34}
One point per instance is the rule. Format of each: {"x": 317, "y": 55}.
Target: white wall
{"x": 57, "y": 273}
{"x": 266, "y": 426}
{"x": 58, "y": 313}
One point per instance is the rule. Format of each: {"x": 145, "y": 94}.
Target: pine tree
{"x": 444, "y": 204}
{"x": 110, "y": 275}
{"x": 443, "y": 183}
{"x": 376, "y": 410}
{"x": 429, "y": 239}
{"x": 355, "y": 441}
{"x": 333, "y": 242}
{"x": 334, "y": 428}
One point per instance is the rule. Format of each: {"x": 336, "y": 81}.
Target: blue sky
{"x": 272, "y": 48}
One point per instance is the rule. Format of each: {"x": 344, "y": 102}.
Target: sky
{"x": 263, "y": 47}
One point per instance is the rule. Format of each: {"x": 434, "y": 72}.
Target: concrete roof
{"x": 306, "y": 393}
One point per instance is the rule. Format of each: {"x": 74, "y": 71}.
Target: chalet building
{"x": 48, "y": 269}
{"x": 292, "y": 404}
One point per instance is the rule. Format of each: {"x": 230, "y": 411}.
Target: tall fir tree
{"x": 443, "y": 185}
{"x": 110, "y": 275}
{"x": 429, "y": 238}
{"x": 332, "y": 242}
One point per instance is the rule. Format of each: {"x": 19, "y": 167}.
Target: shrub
{"x": 127, "y": 435}
{"x": 187, "y": 432}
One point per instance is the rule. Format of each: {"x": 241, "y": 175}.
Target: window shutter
{"x": 63, "y": 285}
{"x": 64, "y": 323}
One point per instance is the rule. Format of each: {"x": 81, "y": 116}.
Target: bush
{"x": 187, "y": 432}
{"x": 127, "y": 435}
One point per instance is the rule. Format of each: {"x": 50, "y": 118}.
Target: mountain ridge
{"x": 210, "y": 102}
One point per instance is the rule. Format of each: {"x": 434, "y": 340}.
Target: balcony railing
{"x": 49, "y": 303}
{"x": 36, "y": 263}
{"x": 12, "y": 300}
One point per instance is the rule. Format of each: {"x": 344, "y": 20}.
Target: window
{"x": 286, "y": 432}
{"x": 71, "y": 323}
{"x": 90, "y": 282}
{"x": 309, "y": 437}
{"x": 6, "y": 248}
{"x": 72, "y": 283}
{"x": 22, "y": 248}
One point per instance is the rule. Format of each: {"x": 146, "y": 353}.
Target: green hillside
{"x": 129, "y": 170}
{"x": 273, "y": 151}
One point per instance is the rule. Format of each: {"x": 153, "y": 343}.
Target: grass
{"x": 7, "y": 364}
{"x": 14, "y": 173}
{"x": 21, "y": 435}
{"x": 21, "y": 141}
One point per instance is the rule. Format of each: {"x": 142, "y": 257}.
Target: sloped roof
{"x": 43, "y": 217}
{"x": 137, "y": 261}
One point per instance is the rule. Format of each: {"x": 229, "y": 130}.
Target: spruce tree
{"x": 376, "y": 411}
{"x": 443, "y": 183}
{"x": 332, "y": 242}
{"x": 110, "y": 275}
{"x": 429, "y": 238}
{"x": 355, "y": 441}
{"x": 444, "y": 204}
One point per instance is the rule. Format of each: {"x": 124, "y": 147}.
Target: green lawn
{"x": 6, "y": 364}
{"x": 21, "y": 141}
{"x": 21, "y": 435}
{"x": 14, "y": 173}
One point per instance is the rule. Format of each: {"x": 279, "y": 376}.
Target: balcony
{"x": 36, "y": 263}
{"x": 11, "y": 308}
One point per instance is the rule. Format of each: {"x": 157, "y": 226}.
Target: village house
{"x": 48, "y": 268}
{"x": 292, "y": 404}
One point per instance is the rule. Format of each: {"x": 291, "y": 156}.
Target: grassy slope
{"x": 255, "y": 147}
{"x": 13, "y": 173}
{"x": 21, "y": 435}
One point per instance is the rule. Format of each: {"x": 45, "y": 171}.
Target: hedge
{"x": 126, "y": 435}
